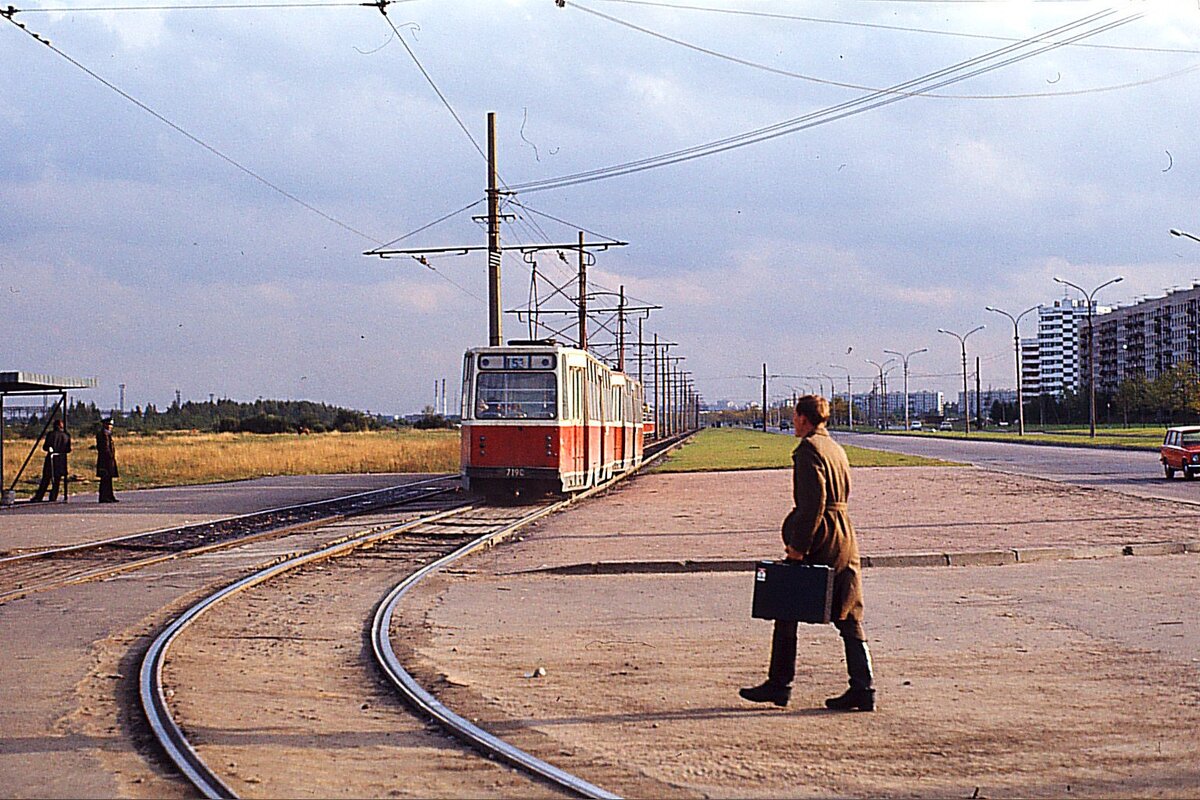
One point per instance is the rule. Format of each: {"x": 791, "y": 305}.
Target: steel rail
{"x": 83, "y": 546}
{"x": 174, "y": 742}
{"x": 416, "y": 694}
{"x": 424, "y": 701}
{"x": 153, "y": 697}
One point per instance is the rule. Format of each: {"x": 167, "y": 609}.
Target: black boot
{"x": 853, "y": 700}
{"x": 860, "y": 695}
{"x": 768, "y": 692}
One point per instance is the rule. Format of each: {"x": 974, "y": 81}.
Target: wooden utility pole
{"x": 495, "y": 336}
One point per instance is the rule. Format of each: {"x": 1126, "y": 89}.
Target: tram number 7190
{"x": 514, "y": 472}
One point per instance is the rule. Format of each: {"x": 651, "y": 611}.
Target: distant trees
{"x": 261, "y": 416}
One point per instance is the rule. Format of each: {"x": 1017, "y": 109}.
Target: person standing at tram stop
{"x": 57, "y": 445}
{"x": 818, "y": 531}
{"x": 106, "y": 461}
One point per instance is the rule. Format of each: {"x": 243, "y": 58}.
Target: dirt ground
{"x": 1058, "y": 678}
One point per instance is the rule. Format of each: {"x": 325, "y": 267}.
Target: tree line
{"x": 222, "y": 416}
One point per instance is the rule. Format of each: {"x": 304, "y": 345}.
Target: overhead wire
{"x": 195, "y": 139}
{"x": 382, "y": 5}
{"x": 195, "y": 7}
{"x": 241, "y": 167}
{"x": 861, "y": 87}
{"x": 963, "y": 70}
{"x": 885, "y": 27}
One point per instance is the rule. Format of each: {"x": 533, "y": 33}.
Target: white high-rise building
{"x": 1051, "y": 363}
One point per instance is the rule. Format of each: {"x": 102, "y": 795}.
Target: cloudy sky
{"x": 187, "y": 194}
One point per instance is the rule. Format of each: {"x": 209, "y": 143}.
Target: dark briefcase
{"x": 789, "y": 591}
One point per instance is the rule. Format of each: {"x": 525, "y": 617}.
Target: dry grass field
{"x": 178, "y": 458}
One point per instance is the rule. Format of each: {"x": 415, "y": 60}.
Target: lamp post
{"x": 904, "y": 357}
{"x": 962, "y": 340}
{"x": 1091, "y": 347}
{"x": 849, "y": 396}
{"x": 882, "y": 389}
{"x": 1017, "y": 348}
{"x": 1177, "y": 232}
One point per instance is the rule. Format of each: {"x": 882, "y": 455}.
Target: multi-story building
{"x": 1146, "y": 339}
{"x": 1051, "y": 363}
{"x": 921, "y": 403}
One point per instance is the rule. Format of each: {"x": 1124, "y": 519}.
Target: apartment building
{"x": 1146, "y": 338}
{"x": 1051, "y": 363}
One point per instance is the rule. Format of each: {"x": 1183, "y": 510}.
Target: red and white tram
{"x": 541, "y": 417}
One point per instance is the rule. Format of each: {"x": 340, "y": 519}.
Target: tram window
{"x": 513, "y": 395}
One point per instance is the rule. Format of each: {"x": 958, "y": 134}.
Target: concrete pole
{"x": 495, "y": 334}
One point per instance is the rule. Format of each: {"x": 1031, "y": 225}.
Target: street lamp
{"x": 962, "y": 340}
{"x": 1177, "y": 232}
{"x": 1091, "y": 348}
{"x": 1017, "y": 347}
{"x": 882, "y": 388}
{"x": 905, "y": 358}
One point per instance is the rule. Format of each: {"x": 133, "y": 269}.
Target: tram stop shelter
{"x": 32, "y": 383}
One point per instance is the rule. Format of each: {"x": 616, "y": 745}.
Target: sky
{"x": 187, "y": 194}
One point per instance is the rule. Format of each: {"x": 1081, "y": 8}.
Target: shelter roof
{"x": 34, "y": 383}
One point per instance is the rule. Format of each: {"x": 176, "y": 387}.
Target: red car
{"x": 1180, "y": 451}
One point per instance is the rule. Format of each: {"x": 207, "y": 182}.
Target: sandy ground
{"x": 1057, "y": 678}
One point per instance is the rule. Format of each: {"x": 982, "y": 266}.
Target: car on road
{"x": 1180, "y": 451}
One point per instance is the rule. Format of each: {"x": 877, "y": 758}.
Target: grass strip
{"x": 718, "y": 449}
{"x": 1138, "y": 438}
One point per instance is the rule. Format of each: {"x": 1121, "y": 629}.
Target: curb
{"x": 969, "y": 558}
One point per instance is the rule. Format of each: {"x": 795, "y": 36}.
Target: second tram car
{"x": 541, "y": 417}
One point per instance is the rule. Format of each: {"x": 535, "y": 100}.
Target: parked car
{"x": 1180, "y": 451}
{"x": 915, "y": 425}
{"x": 946, "y": 425}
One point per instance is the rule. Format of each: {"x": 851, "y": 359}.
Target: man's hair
{"x": 814, "y": 408}
{"x": 58, "y": 424}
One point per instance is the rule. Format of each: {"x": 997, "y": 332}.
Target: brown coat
{"x": 819, "y": 526}
{"x": 106, "y": 455}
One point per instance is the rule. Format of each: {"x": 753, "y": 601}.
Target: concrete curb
{"x": 969, "y": 558}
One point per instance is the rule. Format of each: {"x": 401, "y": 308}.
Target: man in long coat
{"x": 57, "y": 445}
{"x": 106, "y": 461}
{"x": 818, "y": 531}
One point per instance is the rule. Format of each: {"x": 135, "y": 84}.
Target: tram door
{"x": 579, "y": 434}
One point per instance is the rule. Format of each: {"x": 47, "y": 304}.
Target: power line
{"x": 382, "y": 6}
{"x": 860, "y": 87}
{"x": 213, "y": 7}
{"x": 429, "y": 225}
{"x": 881, "y": 26}
{"x": 197, "y": 140}
{"x": 953, "y": 74}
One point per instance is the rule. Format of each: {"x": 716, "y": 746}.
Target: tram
{"x": 540, "y": 417}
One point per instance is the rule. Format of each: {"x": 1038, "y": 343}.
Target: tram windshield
{"x": 516, "y": 395}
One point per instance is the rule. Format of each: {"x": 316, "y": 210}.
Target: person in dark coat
{"x": 106, "y": 461}
{"x": 54, "y": 468}
{"x": 818, "y": 531}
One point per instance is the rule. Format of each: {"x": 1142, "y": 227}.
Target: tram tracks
{"x": 419, "y": 547}
{"x": 23, "y": 574}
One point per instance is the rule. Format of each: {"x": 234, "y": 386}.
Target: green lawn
{"x": 1142, "y": 437}
{"x": 714, "y": 449}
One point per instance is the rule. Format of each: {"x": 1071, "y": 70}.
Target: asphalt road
{"x": 1130, "y": 472}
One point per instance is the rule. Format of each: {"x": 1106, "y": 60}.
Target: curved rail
{"x": 154, "y": 700}
{"x": 430, "y": 705}
{"x": 185, "y": 757}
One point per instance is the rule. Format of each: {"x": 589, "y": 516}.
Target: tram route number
{"x": 514, "y": 472}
